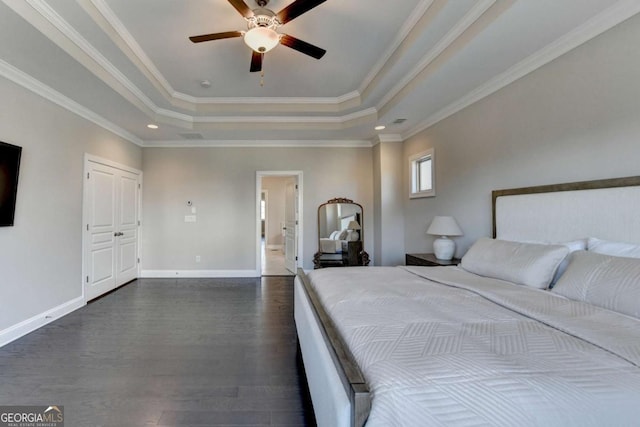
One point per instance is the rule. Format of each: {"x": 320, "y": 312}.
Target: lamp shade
{"x": 261, "y": 39}
{"x": 353, "y": 225}
{"x": 444, "y": 226}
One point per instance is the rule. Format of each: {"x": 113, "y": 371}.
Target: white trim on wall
{"x": 266, "y": 214}
{"x": 198, "y": 274}
{"x": 39, "y": 320}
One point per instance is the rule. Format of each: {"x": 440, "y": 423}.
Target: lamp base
{"x": 444, "y": 248}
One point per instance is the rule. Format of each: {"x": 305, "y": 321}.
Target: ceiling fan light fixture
{"x": 262, "y": 39}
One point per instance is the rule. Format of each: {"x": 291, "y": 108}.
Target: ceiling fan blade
{"x": 301, "y": 46}
{"x": 296, "y": 9}
{"x": 242, "y": 7}
{"x": 256, "y": 61}
{"x": 215, "y": 36}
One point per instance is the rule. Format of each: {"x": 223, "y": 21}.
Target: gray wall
{"x": 41, "y": 256}
{"x": 577, "y": 118}
{"x": 389, "y": 194}
{"x": 222, "y": 184}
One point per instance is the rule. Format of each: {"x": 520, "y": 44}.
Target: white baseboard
{"x": 196, "y": 274}
{"x": 23, "y": 328}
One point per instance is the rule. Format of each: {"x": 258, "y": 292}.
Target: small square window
{"x": 422, "y": 175}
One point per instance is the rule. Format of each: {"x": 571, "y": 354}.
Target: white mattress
{"x": 472, "y": 351}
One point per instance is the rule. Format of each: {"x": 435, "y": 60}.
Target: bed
{"x": 486, "y": 343}
{"x": 338, "y": 240}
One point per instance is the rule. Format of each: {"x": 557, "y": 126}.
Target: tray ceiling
{"x": 124, "y": 64}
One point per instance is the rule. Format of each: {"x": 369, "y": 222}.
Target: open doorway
{"x": 279, "y": 196}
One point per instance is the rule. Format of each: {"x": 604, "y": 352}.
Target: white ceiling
{"x": 126, "y": 63}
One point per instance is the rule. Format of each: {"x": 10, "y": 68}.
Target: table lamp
{"x": 354, "y": 227}
{"x": 444, "y": 226}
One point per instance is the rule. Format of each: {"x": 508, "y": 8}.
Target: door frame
{"x": 299, "y": 235}
{"x": 266, "y": 214}
{"x": 90, "y": 158}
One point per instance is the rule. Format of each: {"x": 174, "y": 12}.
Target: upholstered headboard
{"x": 607, "y": 209}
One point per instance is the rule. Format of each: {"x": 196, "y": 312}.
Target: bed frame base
{"x": 345, "y": 365}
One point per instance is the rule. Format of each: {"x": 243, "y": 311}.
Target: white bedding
{"x": 473, "y": 351}
{"x": 330, "y": 246}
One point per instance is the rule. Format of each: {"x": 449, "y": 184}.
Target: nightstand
{"x": 428, "y": 260}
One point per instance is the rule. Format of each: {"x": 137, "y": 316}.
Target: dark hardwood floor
{"x": 187, "y": 352}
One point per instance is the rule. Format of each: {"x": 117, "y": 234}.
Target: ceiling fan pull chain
{"x": 261, "y": 77}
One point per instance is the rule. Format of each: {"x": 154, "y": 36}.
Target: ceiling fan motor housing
{"x": 263, "y": 18}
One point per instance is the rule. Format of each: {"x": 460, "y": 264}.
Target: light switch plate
{"x": 193, "y": 209}
{"x": 189, "y": 218}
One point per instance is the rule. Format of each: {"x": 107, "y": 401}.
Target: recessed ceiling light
{"x": 151, "y": 126}
{"x": 380, "y": 127}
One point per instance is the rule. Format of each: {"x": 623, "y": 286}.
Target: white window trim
{"x": 413, "y": 162}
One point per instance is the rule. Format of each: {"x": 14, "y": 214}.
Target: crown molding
{"x": 452, "y": 35}
{"x": 369, "y": 112}
{"x": 402, "y": 34}
{"x": 62, "y": 33}
{"x": 260, "y": 144}
{"x": 19, "y": 77}
{"x": 267, "y": 100}
{"x": 102, "y": 14}
{"x": 121, "y": 37}
{"x": 389, "y": 137}
{"x": 619, "y": 12}
{"x": 39, "y": 14}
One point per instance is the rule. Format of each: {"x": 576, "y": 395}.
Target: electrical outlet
{"x": 197, "y": 258}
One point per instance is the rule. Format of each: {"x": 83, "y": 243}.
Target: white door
{"x": 291, "y": 225}
{"x": 101, "y": 230}
{"x": 127, "y": 225}
{"x": 111, "y": 214}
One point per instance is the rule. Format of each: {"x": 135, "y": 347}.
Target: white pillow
{"x": 606, "y": 247}
{"x": 605, "y": 281}
{"x": 343, "y": 235}
{"x": 333, "y": 235}
{"x": 574, "y": 245}
{"x": 529, "y": 264}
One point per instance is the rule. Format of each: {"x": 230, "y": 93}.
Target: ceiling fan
{"x": 261, "y": 35}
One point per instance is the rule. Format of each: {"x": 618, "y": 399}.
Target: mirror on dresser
{"x": 340, "y": 235}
